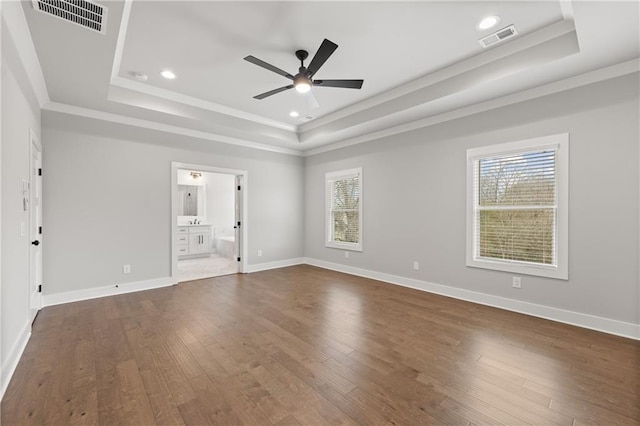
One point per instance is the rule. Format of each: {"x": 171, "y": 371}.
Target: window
{"x": 517, "y": 207}
{"x": 344, "y": 209}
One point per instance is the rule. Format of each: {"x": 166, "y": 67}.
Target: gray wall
{"x": 415, "y": 196}
{"x": 107, "y": 200}
{"x": 20, "y": 112}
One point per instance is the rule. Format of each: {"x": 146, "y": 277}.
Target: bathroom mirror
{"x": 190, "y": 200}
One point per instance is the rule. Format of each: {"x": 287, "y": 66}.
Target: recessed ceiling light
{"x": 294, "y": 114}
{"x": 488, "y": 22}
{"x": 169, "y": 75}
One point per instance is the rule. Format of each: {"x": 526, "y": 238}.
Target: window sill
{"x": 344, "y": 246}
{"x": 520, "y": 268}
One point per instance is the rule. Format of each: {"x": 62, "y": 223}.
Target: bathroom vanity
{"x": 194, "y": 241}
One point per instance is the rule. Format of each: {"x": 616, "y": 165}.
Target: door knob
{"x": 35, "y": 243}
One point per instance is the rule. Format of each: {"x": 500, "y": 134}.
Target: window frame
{"x": 559, "y": 142}
{"x": 329, "y": 178}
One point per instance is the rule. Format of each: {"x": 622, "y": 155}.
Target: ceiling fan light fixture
{"x": 302, "y": 84}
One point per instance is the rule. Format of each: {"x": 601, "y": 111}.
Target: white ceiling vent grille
{"x": 81, "y": 12}
{"x": 498, "y": 36}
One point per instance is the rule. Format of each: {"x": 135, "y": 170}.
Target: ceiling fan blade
{"x": 345, "y": 84}
{"x": 273, "y": 92}
{"x": 270, "y": 67}
{"x": 326, "y": 49}
{"x": 311, "y": 99}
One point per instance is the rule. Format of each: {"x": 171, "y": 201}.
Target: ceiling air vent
{"x": 498, "y": 37}
{"x": 81, "y": 12}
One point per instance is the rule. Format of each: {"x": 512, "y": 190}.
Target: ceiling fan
{"x": 303, "y": 81}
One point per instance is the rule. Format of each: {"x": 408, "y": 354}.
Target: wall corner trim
{"x": 274, "y": 265}
{"x": 111, "y": 290}
{"x": 605, "y": 325}
{"x": 10, "y": 364}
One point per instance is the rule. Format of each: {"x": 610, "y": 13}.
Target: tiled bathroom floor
{"x": 206, "y": 267}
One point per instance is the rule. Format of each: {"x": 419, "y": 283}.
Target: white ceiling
{"x": 418, "y": 59}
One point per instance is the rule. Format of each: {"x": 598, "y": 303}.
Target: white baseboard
{"x": 273, "y": 265}
{"x": 94, "y": 293}
{"x": 10, "y": 364}
{"x": 592, "y": 322}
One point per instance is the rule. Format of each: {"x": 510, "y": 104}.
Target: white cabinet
{"x": 199, "y": 243}
{"x": 194, "y": 240}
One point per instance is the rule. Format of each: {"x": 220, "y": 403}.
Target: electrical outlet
{"x": 346, "y": 254}
{"x": 416, "y": 265}
{"x": 517, "y": 282}
{"x": 126, "y": 269}
{"x": 259, "y": 253}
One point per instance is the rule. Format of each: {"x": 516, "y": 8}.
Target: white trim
{"x": 34, "y": 143}
{"x": 13, "y": 357}
{"x": 17, "y": 26}
{"x": 171, "y": 95}
{"x": 110, "y": 290}
{"x": 475, "y": 63}
{"x": 274, "y": 265}
{"x": 330, "y": 177}
{"x": 585, "y": 79}
{"x": 175, "y": 166}
{"x": 605, "y": 325}
{"x": 592, "y": 77}
{"x": 167, "y": 128}
{"x": 122, "y": 35}
{"x": 559, "y": 142}
{"x": 197, "y": 102}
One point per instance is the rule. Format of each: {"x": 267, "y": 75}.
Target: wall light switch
{"x": 126, "y": 269}
{"x": 416, "y": 265}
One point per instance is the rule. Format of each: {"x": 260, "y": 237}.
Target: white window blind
{"x": 517, "y": 211}
{"x": 344, "y": 209}
{"x": 516, "y": 207}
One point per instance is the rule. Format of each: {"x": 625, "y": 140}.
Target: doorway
{"x": 34, "y": 198}
{"x": 208, "y": 221}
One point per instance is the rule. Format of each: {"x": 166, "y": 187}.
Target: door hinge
{"x": 238, "y": 224}
{"x": 238, "y": 259}
{"x": 40, "y": 230}
{"x": 39, "y": 172}
{"x": 239, "y": 187}
{"x": 40, "y": 288}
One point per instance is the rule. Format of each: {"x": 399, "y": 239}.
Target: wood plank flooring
{"x": 307, "y": 346}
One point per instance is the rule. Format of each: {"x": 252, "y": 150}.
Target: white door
{"x": 238, "y": 226}
{"x": 35, "y": 228}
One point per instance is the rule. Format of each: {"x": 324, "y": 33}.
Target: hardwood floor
{"x": 303, "y": 345}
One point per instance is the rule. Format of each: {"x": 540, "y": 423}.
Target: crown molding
{"x": 602, "y": 74}
{"x": 167, "y": 128}
{"x": 482, "y": 59}
{"x": 16, "y": 24}
{"x": 171, "y": 95}
{"x": 585, "y": 79}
